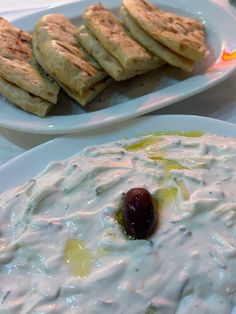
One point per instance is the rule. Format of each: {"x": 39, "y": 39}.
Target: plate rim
{"x": 76, "y": 142}
{"x": 107, "y": 116}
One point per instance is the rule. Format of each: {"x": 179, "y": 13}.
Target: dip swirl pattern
{"x": 62, "y": 249}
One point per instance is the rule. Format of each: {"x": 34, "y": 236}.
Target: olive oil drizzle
{"x": 169, "y": 164}
{"x": 146, "y": 142}
{"x": 166, "y": 194}
{"x": 180, "y": 133}
{"x": 78, "y": 258}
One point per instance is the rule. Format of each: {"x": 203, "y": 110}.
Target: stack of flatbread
{"x": 85, "y": 60}
{"x": 22, "y": 80}
{"x": 106, "y": 39}
{"x": 178, "y": 40}
{"x": 57, "y": 51}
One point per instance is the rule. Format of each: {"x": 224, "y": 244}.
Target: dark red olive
{"x": 138, "y": 213}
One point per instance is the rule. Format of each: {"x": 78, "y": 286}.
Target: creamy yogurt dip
{"x": 62, "y": 249}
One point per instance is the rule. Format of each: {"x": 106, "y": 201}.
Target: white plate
{"x": 28, "y": 164}
{"x": 139, "y": 95}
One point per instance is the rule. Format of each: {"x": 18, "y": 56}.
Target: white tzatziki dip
{"x": 63, "y": 248}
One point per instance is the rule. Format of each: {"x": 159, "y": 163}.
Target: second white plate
{"x": 28, "y": 164}
{"x": 142, "y": 94}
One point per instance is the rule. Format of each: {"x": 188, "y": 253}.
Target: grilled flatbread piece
{"x": 153, "y": 45}
{"x": 112, "y": 36}
{"x": 181, "y": 34}
{"x": 54, "y": 37}
{"x": 90, "y": 93}
{"x": 106, "y": 60}
{"x": 24, "y": 100}
{"x": 81, "y": 97}
{"x": 18, "y": 66}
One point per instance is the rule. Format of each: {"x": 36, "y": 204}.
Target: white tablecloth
{"x": 218, "y": 102}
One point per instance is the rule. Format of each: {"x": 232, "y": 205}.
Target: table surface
{"x": 218, "y": 102}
